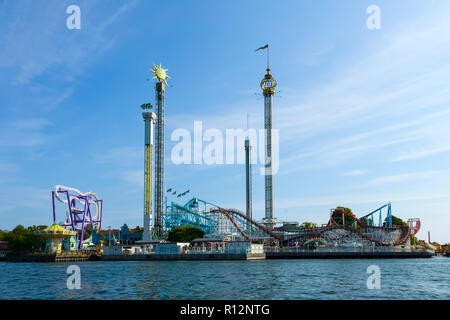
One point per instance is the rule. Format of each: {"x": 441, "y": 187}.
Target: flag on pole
{"x": 261, "y": 48}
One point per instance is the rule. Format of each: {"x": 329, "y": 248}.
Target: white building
{"x": 243, "y": 247}
{"x": 172, "y": 248}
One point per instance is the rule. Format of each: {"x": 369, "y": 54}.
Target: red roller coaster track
{"x": 308, "y": 234}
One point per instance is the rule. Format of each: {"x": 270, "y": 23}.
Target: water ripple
{"x": 268, "y": 279}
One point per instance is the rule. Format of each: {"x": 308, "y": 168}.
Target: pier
{"x": 269, "y": 253}
{"x": 347, "y": 255}
{"x": 193, "y": 256}
{"x": 73, "y": 256}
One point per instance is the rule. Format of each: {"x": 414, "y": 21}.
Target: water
{"x": 264, "y": 279}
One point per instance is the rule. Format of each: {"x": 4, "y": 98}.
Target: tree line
{"x": 22, "y": 240}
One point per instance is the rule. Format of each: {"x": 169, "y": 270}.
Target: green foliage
{"x": 367, "y": 220}
{"x": 34, "y": 228}
{"x": 2, "y": 235}
{"x": 414, "y": 240}
{"x": 23, "y": 240}
{"x": 87, "y": 232}
{"x": 308, "y": 225}
{"x": 185, "y": 234}
{"x": 349, "y": 217}
{"x": 398, "y": 222}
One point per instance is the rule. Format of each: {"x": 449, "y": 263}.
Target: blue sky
{"x": 363, "y": 115}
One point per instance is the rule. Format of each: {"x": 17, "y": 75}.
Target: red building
{"x": 3, "y": 248}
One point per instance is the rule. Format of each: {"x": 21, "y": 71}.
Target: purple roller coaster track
{"x": 78, "y": 218}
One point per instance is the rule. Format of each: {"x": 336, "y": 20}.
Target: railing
{"x": 204, "y": 250}
{"x": 340, "y": 249}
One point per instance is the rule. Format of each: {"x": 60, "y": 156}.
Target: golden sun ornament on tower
{"x": 160, "y": 73}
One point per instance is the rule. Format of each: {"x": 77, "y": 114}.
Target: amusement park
{"x": 226, "y": 233}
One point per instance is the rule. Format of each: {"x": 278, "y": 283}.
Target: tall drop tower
{"x": 149, "y": 118}
{"x": 248, "y": 179}
{"x": 248, "y": 175}
{"x": 268, "y": 85}
{"x": 161, "y": 75}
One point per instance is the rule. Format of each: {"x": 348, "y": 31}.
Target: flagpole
{"x": 268, "y": 67}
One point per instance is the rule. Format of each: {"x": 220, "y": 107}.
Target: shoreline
{"x": 56, "y": 258}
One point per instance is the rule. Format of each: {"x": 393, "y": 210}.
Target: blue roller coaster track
{"x": 220, "y": 222}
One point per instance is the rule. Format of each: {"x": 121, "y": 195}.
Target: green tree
{"x": 397, "y": 222}
{"x": 414, "y": 240}
{"x": 339, "y": 212}
{"x": 34, "y": 228}
{"x": 185, "y": 234}
{"x": 87, "y": 232}
{"x": 367, "y": 220}
{"x": 309, "y": 225}
{"x": 23, "y": 240}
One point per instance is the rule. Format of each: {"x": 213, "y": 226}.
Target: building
{"x": 243, "y": 247}
{"x": 71, "y": 243}
{"x": 130, "y": 236}
{"x": 172, "y": 248}
{"x": 3, "y": 248}
{"x": 208, "y": 245}
{"x": 55, "y": 235}
{"x": 123, "y": 236}
{"x": 108, "y": 237}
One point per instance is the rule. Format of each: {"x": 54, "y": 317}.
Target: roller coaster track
{"x": 229, "y": 214}
{"x": 414, "y": 225}
{"x": 352, "y": 218}
{"x": 307, "y": 234}
{"x": 249, "y": 229}
{"x": 402, "y": 237}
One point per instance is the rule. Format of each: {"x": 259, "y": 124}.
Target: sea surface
{"x": 264, "y": 279}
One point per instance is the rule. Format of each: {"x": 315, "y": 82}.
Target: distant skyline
{"x": 363, "y": 115}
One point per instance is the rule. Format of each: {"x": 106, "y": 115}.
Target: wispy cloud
{"x": 421, "y": 153}
{"x": 350, "y": 200}
{"x": 120, "y": 156}
{"x": 24, "y": 133}
{"x": 356, "y": 172}
{"x": 417, "y": 177}
{"x": 39, "y": 26}
{"x": 134, "y": 178}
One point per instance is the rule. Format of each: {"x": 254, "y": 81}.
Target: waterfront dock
{"x": 347, "y": 255}
{"x": 72, "y": 256}
{"x": 190, "y": 256}
{"x": 357, "y": 252}
{"x": 272, "y": 253}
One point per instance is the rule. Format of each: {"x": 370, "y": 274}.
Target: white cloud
{"x": 411, "y": 177}
{"x": 35, "y": 52}
{"x": 24, "y": 133}
{"x": 133, "y": 177}
{"x": 421, "y": 153}
{"x": 356, "y": 172}
{"x": 120, "y": 156}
